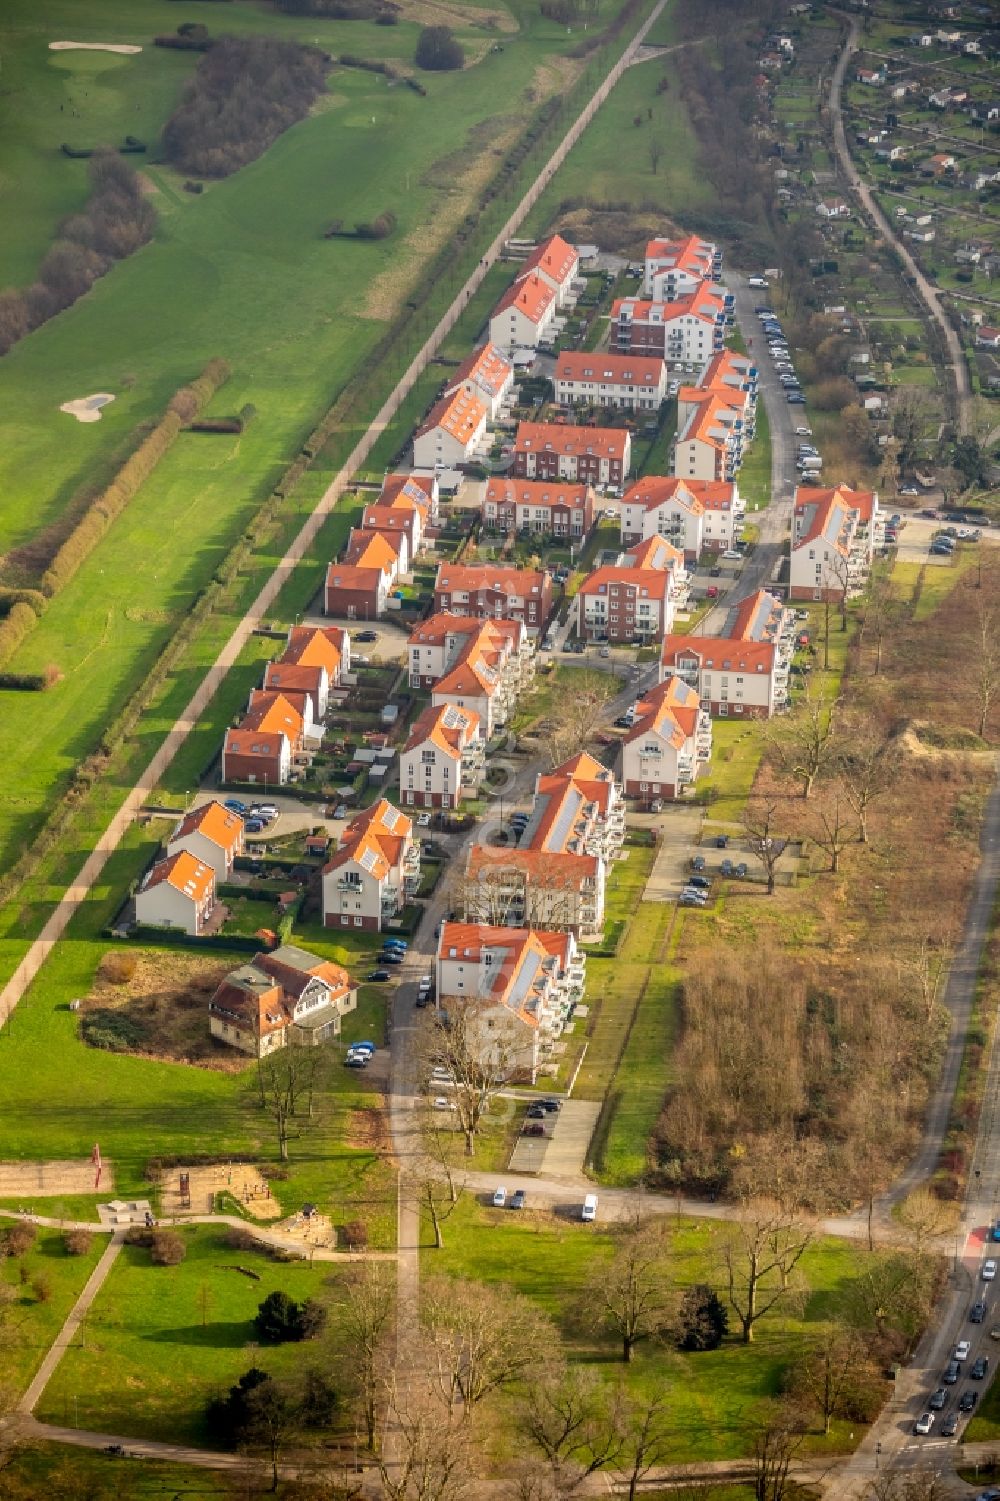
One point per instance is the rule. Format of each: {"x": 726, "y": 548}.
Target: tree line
{"x": 115, "y": 221}
{"x": 246, "y": 92}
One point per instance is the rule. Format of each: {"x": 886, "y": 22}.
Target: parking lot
{"x": 562, "y": 1151}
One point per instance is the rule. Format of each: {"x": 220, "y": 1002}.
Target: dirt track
{"x": 52, "y": 1178}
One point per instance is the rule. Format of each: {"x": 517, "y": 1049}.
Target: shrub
{"x": 41, "y": 1287}
{"x": 117, "y": 967}
{"x": 19, "y": 624}
{"x": 110, "y": 1031}
{"x": 167, "y": 1248}
{"x": 238, "y": 1239}
{"x": 26, "y": 682}
{"x": 280, "y": 1319}
{"x": 18, "y": 1239}
{"x": 438, "y": 51}
{"x": 77, "y": 1242}
{"x": 355, "y": 1235}
{"x": 702, "y": 1320}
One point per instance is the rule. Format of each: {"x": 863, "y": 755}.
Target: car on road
{"x": 356, "y": 1060}
{"x": 758, "y": 281}
{"x": 712, "y": 592}
{"x": 731, "y": 554}
{"x": 499, "y": 1197}
{"x": 924, "y": 1423}
{"x": 977, "y": 1313}
{"x": 967, "y": 1401}
{"x": 962, "y": 1350}
{"x": 533, "y": 1128}
{"x": 395, "y": 943}
{"x": 341, "y": 811}
{"x": 378, "y": 975}
{"x": 909, "y": 490}
{"x": 426, "y": 982}
{"x": 366, "y": 636}
{"x": 995, "y": 1232}
{"x": 803, "y": 432}
{"x": 980, "y": 1368}
{"x": 441, "y": 1103}
{"x": 673, "y": 388}
{"x": 424, "y": 820}
{"x": 795, "y": 399}
{"x": 989, "y": 1271}
{"x": 952, "y": 1372}
{"x": 391, "y": 956}
{"x": 937, "y": 1399}
{"x": 950, "y": 1425}
{"x": 517, "y": 1199}
{"x": 605, "y": 651}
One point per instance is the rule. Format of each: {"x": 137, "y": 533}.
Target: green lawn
{"x": 755, "y": 474}
{"x": 715, "y": 1396}
{"x": 160, "y": 1342}
{"x": 33, "y": 1321}
{"x": 59, "y": 1471}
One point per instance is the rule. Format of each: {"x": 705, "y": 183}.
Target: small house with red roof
{"x": 262, "y": 747}
{"x": 488, "y": 375}
{"x": 556, "y": 262}
{"x": 178, "y": 892}
{"x": 213, "y": 834}
{"x": 524, "y": 316}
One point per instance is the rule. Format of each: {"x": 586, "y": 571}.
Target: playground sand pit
{"x": 50, "y": 1179}
{"x": 93, "y": 47}
{"x": 87, "y": 408}
{"x": 240, "y": 1179}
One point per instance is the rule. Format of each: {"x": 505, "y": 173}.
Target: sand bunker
{"x": 36, "y": 1179}
{"x": 92, "y": 47}
{"x": 87, "y": 408}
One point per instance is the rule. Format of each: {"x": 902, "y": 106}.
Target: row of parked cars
{"x": 955, "y": 1370}
{"x": 257, "y": 818}
{"x": 393, "y": 952}
{"x": 777, "y": 348}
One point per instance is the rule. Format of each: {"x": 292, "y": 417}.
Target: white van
{"x": 589, "y": 1211}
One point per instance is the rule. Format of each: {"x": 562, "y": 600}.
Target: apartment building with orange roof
{"x": 524, "y": 316}
{"x": 556, "y": 262}
{"x": 420, "y": 486}
{"x": 551, "y": 508}
{"x": 452, "y": 431}
{"x": 832, "y": 542}
{"x": 178, "y": 892}
{"x": 675, "y": 267}
{"x": 535, "y": 889}
{"x": 264, "y": 745}
{"x": 487, "y": 374}
{"x": 578, "y": 809}
{"x": 622, "y": 604}
{"x": 599, "y": 456}
{"x": 443, "y": 758}
{"x": 287, "y": 997}
{"x": 516, "y": 988}
{"x": 495, "y": 591}
{"x": 743, "y": 672}
{"x": 710, "y": 444}
{"x": 686, "y": 332}
{"x": 211, "y": 833}
{"x": 669, "y": 743}
{"x": 374, "y": 872}
{"x": 634, "y": 382}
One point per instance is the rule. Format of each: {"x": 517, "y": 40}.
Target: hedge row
{"x": 25, "y": 682}
{"x": 99, "y": 515}
{"x": 174, "y": 938}
{"x": 33, "y": 597}
{"x": 20, "y": 622}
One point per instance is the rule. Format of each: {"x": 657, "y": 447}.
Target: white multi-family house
{"x": 578, "y": 809}
{"x": 444, "y": 641}
{"x": 452, "y": 432}
{"x": 676, "y": 267}
{"x": 634, "y": 382}
{"x": 442, "y": 761}
{"x": 523, "y": 318}
{"x": 516, "y": 988}
{"x": 686, "y": 333}
{"x": 556, "y": 262}
{"x": 710, "y": 445}
{"x": 374, "y": 872}
{"x": 535, "y": 889}
{"x": 285, "y": 998}
{"x": 178, "y": 892}
{"x": 488, "y": 375}
{"x": 213, "y": 834}
{"x": 742, "y": 673}
{"x": 692, "y": 514}
{"x": 832, "y": 542}
{"x": 669, "y": 743}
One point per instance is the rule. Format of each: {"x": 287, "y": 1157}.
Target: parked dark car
{"x": 697, "y": 862}
{"x": 535, "y": 1113}
{"x": 391, "y": 956}
{"x": 980, "y": 1368}
{"x": 950, "y": 1425}
{"x": 551, "y": 1106}
{"x": 967, "y": 1401}
{"x": 722, "y": 841}
{"x": 977, "y": 1313}
{"x": 533, "y": 1128}
{"x": 704, "y": 883}
{"x": 366, "y": 636}
{"x": 517, "y": 1199}
{"x": 378, "y": 974}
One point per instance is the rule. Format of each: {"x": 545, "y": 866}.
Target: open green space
{"x": 715, "y": 1396}
{"x": 755, "y": 472}
{"x": 48, "y": 1281}
{"x": 59, "y": 1471}
{"x": 161, "y": 1342}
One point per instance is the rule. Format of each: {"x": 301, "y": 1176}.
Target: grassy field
{"x": 715, "y": 1396}
{"x": 334, "y": 298}
{"x": 160, "y": 1342}
{"x": 755, "y": 475}
{"x": 32, "y": 1322}
{"x": 61, "y": 1472}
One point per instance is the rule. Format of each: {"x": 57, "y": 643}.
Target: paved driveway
{"x": 679, "y": 829}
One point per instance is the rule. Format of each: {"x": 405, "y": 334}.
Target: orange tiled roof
{"x": 468, "y": 578}
{"x": 669, "y": 709}
{"x": 541, "y": 437}
{"x": 309, "y": 646}
{"x": 535, "y": 492}
{"x": 219, "y": 824}
{"x": 719, "y": 653}
{"x": 530, "y": 295}
{"x": 185, "y": 873}
{"x": 555, "y": 257}
{"x": 460, "y": 414}
{"x": 446, "y": 726}
{"x": 620, "y": 369}
{"x": 487, "y": 367}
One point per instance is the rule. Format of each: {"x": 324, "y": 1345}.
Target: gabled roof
{"x": 460, "y": 414}
{"x": 555, "y": 257}
{"x": 530, "y": 295}
{"x": 243, "y": 742}
{"x": 418, "y": 486}
{"x": 827, "y": 513}
{"x": 655, "y": 491}
{"x": 488, "y": 367}
{"x": 374, "y": 839}
{"x": 350, "y": 576}
{"x": 524, "y": 962}
{"x": 705, "y": 302}
{"x": 262, "y": 993}
{"x": 398, "y": 516}
{"x": 445, "y": 726}
{"x": 757, "y": 618}
{"x": 571, "y": 442}
{"x": 654, "y": 552}
{"x": 186, "y": 874}
{"x": 536, "y": 492}
{"x": 616, "y": 369}
{"x": 372, "y": 549}
{"x": 691, "y": 254}
{"x": 312, "y": 646}
{"x": 669, "y": 710}
{"x": 292, "y": 678}
{"x": 720, "y": 654}
{"x": 216, "y": 823}
{"x": 550, "y": 869}
{"x": 469, "y": 578}
{"x": 272, "y": 712}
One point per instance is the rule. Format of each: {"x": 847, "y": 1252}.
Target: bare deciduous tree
{"x": 986, "y": 656}
{"x": 647, "y": 1439}
{"x": 477, "y": 1049}
{"x": 807, "y": 743}
{"x": 631, "y": 1295}
{"x": 287, "y": 1082}
{"x": 575, "y": 711}
{"x": 759, "y": 1253}
{"x": 574, "y": 1422}
{"x": 759, "y": 821}
{"x": 366, "y": 1299}
{"x": 775, "y": 1445}
{"x": 826, "y": 1373}
{"x": 431, "y": 1457}
{"x": 830, "y": 830}
{"x": 926, "y": 967}
{"x": 868, "y": 763}
{"x": 481, "y": 1338}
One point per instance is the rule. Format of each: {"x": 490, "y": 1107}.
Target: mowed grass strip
{"x": 48, "y": 1281}
{"x": 160, "y": 1342}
